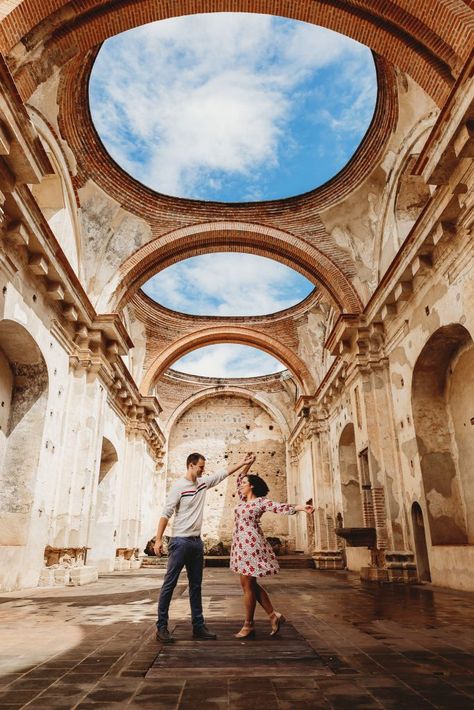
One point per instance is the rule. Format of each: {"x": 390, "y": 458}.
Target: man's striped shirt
{"x": 186, "y": 500}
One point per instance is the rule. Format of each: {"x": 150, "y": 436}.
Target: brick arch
{"x": 228, "y": 334}
{"x": 428, "y": 39}
{"x": 235, "y": 236}
{"x": 218, "y": 391}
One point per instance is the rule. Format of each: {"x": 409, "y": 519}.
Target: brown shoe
{"x": 277, "y": 622}
{"x": 246, "y": 632}
{"x": 164, "y": 636}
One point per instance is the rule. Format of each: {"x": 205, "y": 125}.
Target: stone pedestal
{"x": 62, "y": 576}
{"x": 126, "y": 558}
{"x": 54, "y": 577}
{"x": 83, "y": 575}
{"x": 399, "y": 566}
{"x": 121, "y": 564}
{"x": 46, "y": 578}
{"x": 328, "y": 559}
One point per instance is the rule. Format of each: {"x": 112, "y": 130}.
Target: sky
{"x": 232, "y": 107}
{"x": 228, "y": 360}
{"x": 228, "y": 284}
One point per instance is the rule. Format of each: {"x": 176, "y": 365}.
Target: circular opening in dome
{"x": 232, "y": 107}
{"x": 228, "y": 360}
{"x": 228, "y": 284}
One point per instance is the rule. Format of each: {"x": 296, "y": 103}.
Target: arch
{"x": 351, "y": 493}
{"x": 428, "y": 41}
{"x": 228, "y": 334}
{"x": 55, "y": 194}
{"x": 419, "y": 538}
{"x": 234, "y": 236}
{"x": 102, "y": 541}
{"x": 24, "y": 392}
{"x": 442, "y": 390}
{"x": 217, "y": 390}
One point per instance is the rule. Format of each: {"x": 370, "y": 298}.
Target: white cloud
{"x": 183, "y": 103}
{"x": 228, "y": 284}
{"x": 228, "y": 360}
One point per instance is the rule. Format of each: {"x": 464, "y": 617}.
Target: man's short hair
{"x": 194, "y": 458}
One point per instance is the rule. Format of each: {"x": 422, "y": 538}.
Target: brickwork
{"x": 170, "y": 335}
{"x": 177, "y": 391}
{"x": 429, "y": 40}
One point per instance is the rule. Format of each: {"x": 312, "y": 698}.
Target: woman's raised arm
{"x": 242, "y": 475}
{"x": 271, "y": 506}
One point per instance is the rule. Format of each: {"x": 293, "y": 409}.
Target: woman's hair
{"x": 259, "y": 486}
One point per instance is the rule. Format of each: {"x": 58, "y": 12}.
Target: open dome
{"x": 232, "y": 107}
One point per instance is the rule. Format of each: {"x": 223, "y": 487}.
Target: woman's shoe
{"x": 277, "y": 621}
{"x": 246, "y": 632}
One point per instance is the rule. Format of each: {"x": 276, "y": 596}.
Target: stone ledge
{"x": 67, "y": 576}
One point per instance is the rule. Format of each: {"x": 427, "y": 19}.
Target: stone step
{"x": 155, "y": 562}
{"x": 298, "y": 561}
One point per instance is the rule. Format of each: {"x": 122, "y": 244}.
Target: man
{"x": 186, "y": 500}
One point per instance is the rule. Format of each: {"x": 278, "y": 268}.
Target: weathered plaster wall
{"x": 365, "y": 225}
{"x": 56, "y": 418}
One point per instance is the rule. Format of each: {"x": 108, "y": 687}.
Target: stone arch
{"x": 428, "y": 45}
{"x": 24, "y": 392}
{"x": 442, "y": 392}
{"x": 55, "y": 195}
{"x": 102, "y": 539}
{"x": 228, "y": 334}
{"x": 351, "y": 493}
{"x": 233, "y": 236}
{"x": 217, "y": 390}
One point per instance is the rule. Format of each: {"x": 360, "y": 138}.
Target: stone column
{"x": 381, "y": 483}
{"x": 79, "y": 460}
{"x": 326, "y": 555}
{"x": 291, "y": 477}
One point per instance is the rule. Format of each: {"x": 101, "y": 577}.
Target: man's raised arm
{"x": 216, "y": 478}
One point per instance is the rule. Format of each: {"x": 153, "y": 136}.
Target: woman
{"x": 251, "y": 555}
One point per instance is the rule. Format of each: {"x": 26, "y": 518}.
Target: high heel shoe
{"x": 246, "y": 632}
{"x": 277, "y": 622}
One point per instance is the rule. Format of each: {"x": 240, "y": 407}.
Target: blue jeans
{"x": 183, "y": 552}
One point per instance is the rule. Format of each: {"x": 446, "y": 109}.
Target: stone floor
{"x": 359, "y": 646}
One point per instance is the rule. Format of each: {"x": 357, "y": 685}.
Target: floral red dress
{"x": 250, "y": 553}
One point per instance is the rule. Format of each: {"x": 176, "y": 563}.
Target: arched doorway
{"x": 351, "y": 494}
{"x": 23, "y": 398}
{"x": 421, "y": 549}
{"x": 352, "y": 511}
{"x": 442, "y": 395}
{"x": 103, "y": 533}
